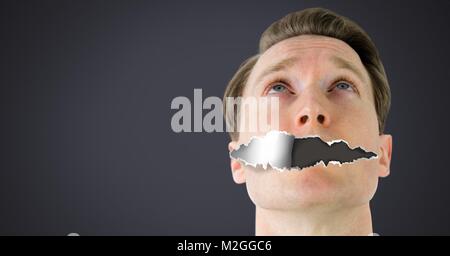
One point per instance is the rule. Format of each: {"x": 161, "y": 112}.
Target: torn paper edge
{"x": 264, "y": 165}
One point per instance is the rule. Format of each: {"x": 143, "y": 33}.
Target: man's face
{"x": 323, "y": 89}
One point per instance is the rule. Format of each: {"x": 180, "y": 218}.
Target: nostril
{"x": 303, "y": 119}
{"x": 321, "y": 118}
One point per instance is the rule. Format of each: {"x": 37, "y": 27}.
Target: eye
{"x": 277, "y": 88}
{"x": 343, "y": 86}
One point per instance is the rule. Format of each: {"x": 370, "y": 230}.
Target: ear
{"x": 384, "y": 159}
{"x": 237, "y": 169}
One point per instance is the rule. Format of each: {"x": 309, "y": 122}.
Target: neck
{"x": 350, "y": 221}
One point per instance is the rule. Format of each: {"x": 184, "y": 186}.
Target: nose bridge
{"x": 311, "y": 108}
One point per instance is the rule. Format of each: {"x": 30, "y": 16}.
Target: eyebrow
{"x": 344, "y": 64}
{"x": 284, "y": 64}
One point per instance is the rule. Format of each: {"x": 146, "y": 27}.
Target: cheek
{"x": 286, "y": 115}
{"x": 368, "y": 178}
{"x": 358, "y": 123}
{"x": 261, "y": 188}
{"x": 261, "y": 117}
{"x": 248, "y": 120}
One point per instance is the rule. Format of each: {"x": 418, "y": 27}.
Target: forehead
{"x": 307, "y": 50}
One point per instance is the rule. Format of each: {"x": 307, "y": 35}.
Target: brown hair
{"x": 317, "y": 21}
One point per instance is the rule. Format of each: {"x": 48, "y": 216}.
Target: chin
{"x": 317, "y": 186}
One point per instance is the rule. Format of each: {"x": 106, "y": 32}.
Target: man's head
{"x": 329, "y": 80}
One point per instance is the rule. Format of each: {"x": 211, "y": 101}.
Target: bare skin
{"x": 323, "y": 89}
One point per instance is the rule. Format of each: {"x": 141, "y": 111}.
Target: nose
{"x": 312, "y": 114}
{"x": 321, "y": 119}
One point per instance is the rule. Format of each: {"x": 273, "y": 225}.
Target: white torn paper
{"x": 283, "y": 151}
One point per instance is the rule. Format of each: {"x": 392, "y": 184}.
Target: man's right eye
{"x": 277, "y": 88}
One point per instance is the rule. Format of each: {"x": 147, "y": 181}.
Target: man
{"x": 330, "y": 82}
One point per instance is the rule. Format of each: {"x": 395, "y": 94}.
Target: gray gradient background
{"x": 86, "y": 143}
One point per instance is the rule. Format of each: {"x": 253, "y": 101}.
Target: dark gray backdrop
{"x": 86, "y": 143}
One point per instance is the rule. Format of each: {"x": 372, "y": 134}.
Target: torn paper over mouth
{"x": 282, "y": 151}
